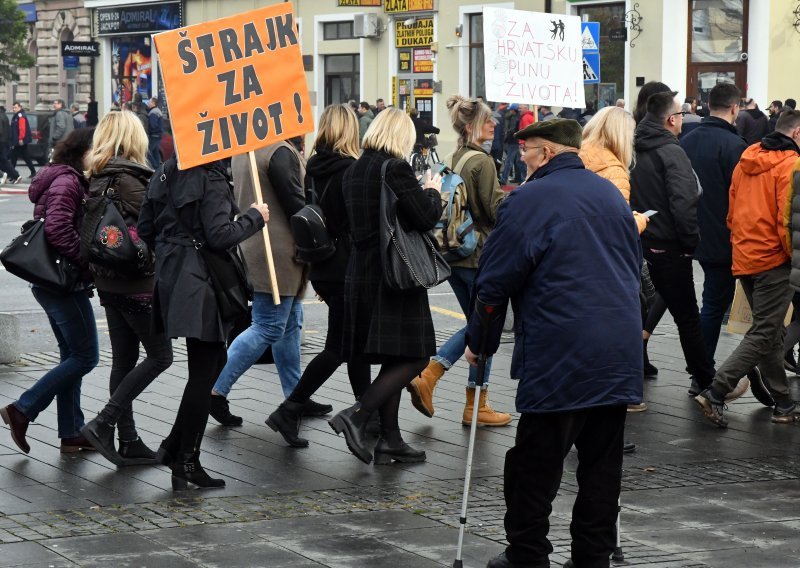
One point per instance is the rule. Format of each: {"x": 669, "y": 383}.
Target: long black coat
{"x": 381, "y": 322}
{"x": 184, "y": 304}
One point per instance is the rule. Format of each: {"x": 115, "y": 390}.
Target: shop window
{"x": 612, "y": 54}
{"x": 717, "y": 31}
{"x": 131, "y": 68}
{"x": 477, "y": 84}
{"x": 337, "y": 30}
{"x": 342, "y": 78}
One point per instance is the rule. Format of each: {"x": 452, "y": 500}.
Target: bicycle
{"x": 424, "y": 156}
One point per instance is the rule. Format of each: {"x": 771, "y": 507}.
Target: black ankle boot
{"x": 220, "y": 411}
{"x": 188, "y": 470}
{"x": 402, "y": 452}
{"x": 135, "y": 452}
{"x": 286, "y": 421}
{"x": 101, "y": 435}
{"x": 353, "y": 422}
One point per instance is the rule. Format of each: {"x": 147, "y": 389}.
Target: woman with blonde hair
{"x": 335, "y": 149}
{"x": 382, "y": 326}
{"x": 473, "y": 121}
{"x": 118, "y": 168}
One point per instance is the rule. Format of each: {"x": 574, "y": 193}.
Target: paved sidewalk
{"x": 693, "y": 495}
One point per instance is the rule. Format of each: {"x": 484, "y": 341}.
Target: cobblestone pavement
{"x": 693, "y": 495}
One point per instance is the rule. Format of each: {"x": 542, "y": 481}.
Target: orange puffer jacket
{"x": 604, "y": 163}
{"x": 760, "y": 199}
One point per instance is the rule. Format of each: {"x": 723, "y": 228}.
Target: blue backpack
{"x": 455, "y": 231}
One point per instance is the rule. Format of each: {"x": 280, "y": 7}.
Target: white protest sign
{"x": 533, "y": 58}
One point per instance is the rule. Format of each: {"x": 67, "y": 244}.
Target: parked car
{"x": 40, "y": 130}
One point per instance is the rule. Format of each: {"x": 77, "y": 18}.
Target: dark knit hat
{"x": 564, "y": 131}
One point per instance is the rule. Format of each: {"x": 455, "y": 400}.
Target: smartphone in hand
{"x": 649, "y": 212}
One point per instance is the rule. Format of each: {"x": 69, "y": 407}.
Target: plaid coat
{"x": 381, "y": 322}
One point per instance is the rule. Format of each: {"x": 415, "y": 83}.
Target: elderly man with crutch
{"x": 566, "y": 252}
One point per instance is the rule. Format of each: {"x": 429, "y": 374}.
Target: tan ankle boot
{"x": 421, "y": 388}
{"x": 487, "y": 416}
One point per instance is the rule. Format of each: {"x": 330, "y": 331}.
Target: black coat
{"x": 326, "y": 168}
{"x": 380, "y": 322}
{"x": 663, "y": 180}
{"x": 184, "y": 297}
{"x": 714, "y": 148}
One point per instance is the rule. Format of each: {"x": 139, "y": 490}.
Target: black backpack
{"x": 310, "y": 230}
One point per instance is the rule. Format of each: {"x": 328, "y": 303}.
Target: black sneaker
{"x": 220, "y": 411}
{"x": 784, "y": 413}
{"x": 694, "y": 388}
{"x": 650, "y": 370}
{"x": 713, "y": 408}
{"x": 628, "y": 447}
{"x": 311, "y": 408}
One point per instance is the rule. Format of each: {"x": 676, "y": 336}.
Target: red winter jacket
{"x": 61, "y": 189}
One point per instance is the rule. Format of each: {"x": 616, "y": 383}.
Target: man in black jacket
{"x": 751, "y": 123}
{"x": 6, "y": 169}
{"x": 714, "y": 149}
{"x": 663, "y": 181}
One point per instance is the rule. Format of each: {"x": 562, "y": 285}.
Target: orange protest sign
{"x": 235, "y": 84}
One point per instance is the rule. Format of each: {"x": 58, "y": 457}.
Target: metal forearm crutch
{"x": 486, "y": 314}
{"x": 617, "y": 555}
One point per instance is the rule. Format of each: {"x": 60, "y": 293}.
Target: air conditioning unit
{"x": 366, "y": 25}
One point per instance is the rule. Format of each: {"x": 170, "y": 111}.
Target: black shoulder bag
{"x": 226, "y": 269}
{"x": 108, "y": 240}
{"x": 409, "y": 258}
{"x": 30, "y": 257}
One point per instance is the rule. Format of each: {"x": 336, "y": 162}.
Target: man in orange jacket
{"x": 758, "y": 216}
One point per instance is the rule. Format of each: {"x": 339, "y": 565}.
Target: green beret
{"x": 564, "y": 131}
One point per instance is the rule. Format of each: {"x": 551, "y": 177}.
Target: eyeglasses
{"x": 682, "y": 113}
{"x": 523, "y": 149}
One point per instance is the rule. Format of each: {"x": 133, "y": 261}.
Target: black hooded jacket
{"x": 326, "y": 169}
{"x": 752, "y": 125}
{"x": 663, "y": 180}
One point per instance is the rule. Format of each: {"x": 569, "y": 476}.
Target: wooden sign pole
{"x": 267, "y": 247}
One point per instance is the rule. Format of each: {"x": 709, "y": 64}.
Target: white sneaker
{"x": 4, "y": 178}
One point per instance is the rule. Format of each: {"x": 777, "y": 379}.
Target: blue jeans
{"x": 72, "y": 320}
{"x": 461, "y": 280}
{"x": 153, "y": 152}
{"x": 277, "y": 326}
{"x": 513, "y": 159}
{"x": 718, "y": 288}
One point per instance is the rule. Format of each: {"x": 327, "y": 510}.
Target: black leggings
{"x": 324, "y": 364}
{"x": 205, "y": 361}
{"x": 384, "y": 393}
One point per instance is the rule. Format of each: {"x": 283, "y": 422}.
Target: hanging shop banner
{"x": 404, "y": 60}
{"x": 533, "y": 58}
{"x": 423, "y": 60}
{"x": 150, "y": 18}
{"x": 235, "y": 84}
{"x": 80, "y": 48}
{"x": 397, "y": 6}
{"x": 359, "y": 2}
{"x": 418, "y": 34}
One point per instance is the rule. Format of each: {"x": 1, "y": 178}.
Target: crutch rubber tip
{"x": 617, "y": 556}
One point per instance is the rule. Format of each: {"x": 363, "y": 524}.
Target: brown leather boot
{"x": 487, "y": 416}
{"x": 421, "y": 388}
